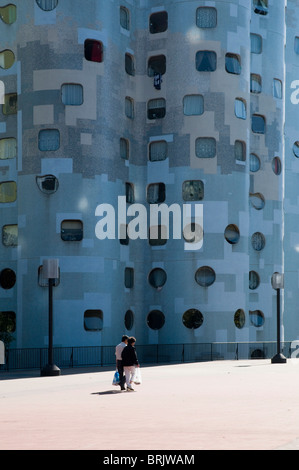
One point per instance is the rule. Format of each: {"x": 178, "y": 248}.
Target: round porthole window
{"x": 192, "y": 318}
{"x": 239, "y": 318}
{"x": 258, "y": 241}
{"x": 157, "y": 277}
{"x": 205, "y": 276}
{"x": 257, "y": 201}
{"x": 296, "y": 149}
{"x": 155, "y": 319}
{"x": 254, "y": 280}
{"x": 232, "y": 234}
{"x": 7, "y": 278}
{"x": 257, "y": 318}
{"x": 276, "y": 165}
{"x": 47, "y": 5}
{"x": 129, "y": 319}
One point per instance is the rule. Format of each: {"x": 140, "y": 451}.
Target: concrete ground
{"x": 221, "y": 405}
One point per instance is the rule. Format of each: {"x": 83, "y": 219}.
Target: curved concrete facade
{"x": 208, "y": 137}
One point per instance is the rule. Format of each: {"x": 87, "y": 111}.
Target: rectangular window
{"x": 193, "y": 190}
{"x": 206, "y": 17}
{"x": 10, "y": 235}
{"x": 93, "y": 320}
{"x": 124, "y": 148}
{"x": 129, "y": 64}
{"x": 93, "y": 50}
{"x": 277, "y": 88}
{"x": 256, "y": 43}
{"x": 158, "y": 22}
{"x": 123, "y": 234}
{"x": 49, "y": 140}
{"x": 158, "y": 151}
{"x": 205, "y": 147}
{"x": 206, "y": 61}
{"x": 10, "y": 105}
{"x": 258, "y": 124}
{"x": 124, "y": 18}
{"x": 130, "y": 193}
{"x": 255, "y": 83}
{"x": 296, "y": 45}
{"x": 240, "y": 108}
{"x": 260, "y": 7}
{"x": 71, "y": 230}
{"x": 155, "y": 193}
{"x": 129, "y": 107}
{"x": 240, "y": 150}
{"x": 193, "y": 105}
{"x": 157, "y": 235}
{"x": 156, "y": 109}
{"x": 129, "y": 278}
{"x": 8, "y": 148}
{"x": 232, "y": 63}
{"x": 156, "y": 65}
{"x": 8, "y": 191}
{"x": 72, "y": 94}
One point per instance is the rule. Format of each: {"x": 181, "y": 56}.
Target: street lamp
{"x": 277, "y": 281}
{"x": 50, "y": 272}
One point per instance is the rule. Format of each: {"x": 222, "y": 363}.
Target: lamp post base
{"x": 278, "y": 359}
{"x": 50, "y": 370}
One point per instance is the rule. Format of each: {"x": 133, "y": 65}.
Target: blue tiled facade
{"x": 88, "y": 120}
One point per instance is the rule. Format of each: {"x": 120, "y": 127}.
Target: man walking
{"x": 119, "y": 364}
{"x": 129, "y": 361}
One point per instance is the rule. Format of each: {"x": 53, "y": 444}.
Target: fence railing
{"x": 87, "y": 356}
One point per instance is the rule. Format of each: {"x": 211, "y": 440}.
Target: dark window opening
{"x": 93, "y": 50}
{"x": 158, "y": 22}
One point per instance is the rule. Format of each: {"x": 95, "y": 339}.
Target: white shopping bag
{"x": 137, "y": 376}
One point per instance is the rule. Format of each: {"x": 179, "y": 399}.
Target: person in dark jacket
{"x": 129, "y": 361}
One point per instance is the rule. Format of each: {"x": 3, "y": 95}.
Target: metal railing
{"x": 87, "y": 356}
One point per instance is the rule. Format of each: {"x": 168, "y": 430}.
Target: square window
{"x": 260, "y": 7}
{"x": 158, "y": 235}
{"x": 124, "y": 148}
{"x": 232, "y": 63}
{"x": 156, "y": 65}
{"x": 8, "y": 148}
{"x": 8, "y": 191}
{"x": 93, "y": 50}
{"x": 240, "y": 150}
{"x": 258, "y": 124}
{"x": 193, "y": 190}
{"x": 158, "y": 151}
{"x": 129, "y": 278}
{"x": 7, "y": 322}
{"x": 205, "y": 147}
{"x": 93, "y": 320}
{"x": 10, "y": 235}
{"x": 72, "y": 94}
{"x": 158, "y": 22}
{"x": 129, "y": 107}
{"x": 44, "y": 281}
{"x": 129, "y": 64}
{"x": 156, "y": 109}
{"x": 255, "y": 83}
{"x": 240, "y": 108}
{"x": 49, "y": 140}
{"x": 206, "y": 61}
{"x": 256, "y": 43}
{"x": 124, "y": 18}
{"x": 71, "y": 230}
{"x": 206, "y": 17}
{"x": 10, "y": 105}
{"x": 277, "y": 88}
{"x": 155, "y": 193}
{"x": 193, "y": 105}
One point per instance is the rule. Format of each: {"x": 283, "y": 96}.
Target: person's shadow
{"x": 108, "y": 392}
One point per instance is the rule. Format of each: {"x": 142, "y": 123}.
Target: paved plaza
{"x": 221, "y": 405}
